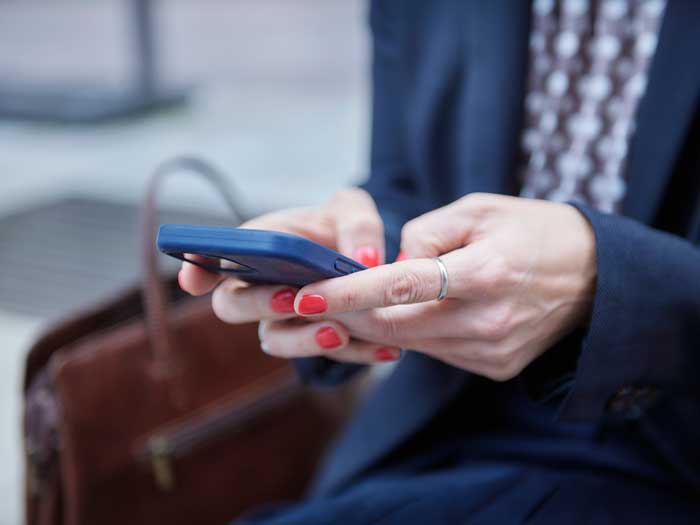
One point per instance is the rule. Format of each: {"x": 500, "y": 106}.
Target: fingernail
{"x": 401, "y": 256}
{"x": 367, "y": 255}
{"x": 387, "y": 353}
{"x": 283, "y": 301}
{"x": 179, "y": 279}
{"x": 312, "y": 304}
{"x": 328, "y": 338}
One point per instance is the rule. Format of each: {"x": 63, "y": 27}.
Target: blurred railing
{"x": 143, "y": 93}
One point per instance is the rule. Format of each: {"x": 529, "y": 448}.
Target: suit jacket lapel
{"x": 666, "y": 110}
{"x": 496, "y": 56}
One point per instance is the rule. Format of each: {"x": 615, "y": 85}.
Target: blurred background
{"x": 93, "y": 95}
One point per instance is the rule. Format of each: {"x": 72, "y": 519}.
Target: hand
{"x": 521, "y": 276}
{"x": 348, "y": 223}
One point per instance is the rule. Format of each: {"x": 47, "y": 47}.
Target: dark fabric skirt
{"x": 494, "y": 456}
{"x": 491, "y": 494}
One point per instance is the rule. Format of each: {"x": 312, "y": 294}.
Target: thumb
{"x": 358, "y": 226}
{"x": 439, "y": 231}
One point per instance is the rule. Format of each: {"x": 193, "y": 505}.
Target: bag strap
{"x": 154, "y": 294}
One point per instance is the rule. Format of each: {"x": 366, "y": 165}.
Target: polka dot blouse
{"x": 588, "y": 68}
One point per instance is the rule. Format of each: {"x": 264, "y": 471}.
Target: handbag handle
{"x": 154, "y": 294}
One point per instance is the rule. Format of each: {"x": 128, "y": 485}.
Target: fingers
{"x": 446, "y": 229}
{"x": 311, "y": 223}
{"x": 196, "y": 280}
{"x": 404, "y": 325}
{"x": 292, "y": 339}
{"x": 307, "y": 222}
{"x": 236, "y": 302}
{"x": 350, "y": 223}
{"x": 404, "y": 282}
{"x": 358, "y": 227}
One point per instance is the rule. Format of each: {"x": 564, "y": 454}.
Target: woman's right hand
{"x": 350, "y": 224}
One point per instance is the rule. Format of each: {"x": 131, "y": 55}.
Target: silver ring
{"x": 444, "y": 279}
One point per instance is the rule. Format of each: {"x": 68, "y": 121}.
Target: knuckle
{"x": 495, "y": 328}
{"x": 494, "y": 274}
{"x": 473, "y": 202}
{"x": 419, "y": 241}
{"x": 420, "y": 236}
{"x": 481, "y": 205}
{"x": 410, "y": 230}
{"x": 488, "y": 331}
{"x": 403, "y": 288}
{"x": 472, "y": 199}
{"x": 387, "y": 327}
{"x": 479, "y": 200}
{"x": 348, "y": 300}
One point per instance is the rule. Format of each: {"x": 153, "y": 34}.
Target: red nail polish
{"x": 312, "y": 304}
{"x": 283, "y": 301}
{"x": 401, "y": 256}
{"x": 367, "y": 255}
{"x": 387, "y": 353}
{"x": 328, "y": 338}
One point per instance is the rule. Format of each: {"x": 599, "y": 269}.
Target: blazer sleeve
{"x": 391, "y": 183}
{"x": 640, "y": 354}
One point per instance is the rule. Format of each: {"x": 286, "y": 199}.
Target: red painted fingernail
{"x": 328, "y": 338}
{"x": 367, "y": 255}
{"x": 401, "y": 256}
{"x": 312, "y": 304}
{"x": 387, "y": 353}
{"x": 283, "y": 301}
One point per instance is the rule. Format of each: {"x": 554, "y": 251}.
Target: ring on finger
{"x": 444, "y": 279}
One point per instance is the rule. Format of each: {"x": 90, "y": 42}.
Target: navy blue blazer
{"x": 448, "y": 85}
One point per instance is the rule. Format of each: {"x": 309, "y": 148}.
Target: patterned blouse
{"x": 588, "y": 71}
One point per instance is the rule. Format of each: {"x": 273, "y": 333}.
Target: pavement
{"x": 278, "y": 101}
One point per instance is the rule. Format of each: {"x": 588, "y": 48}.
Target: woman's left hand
{"x": 521, "y": 276}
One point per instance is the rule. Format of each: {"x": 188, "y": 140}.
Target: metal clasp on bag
{"x": 160, "y": 453}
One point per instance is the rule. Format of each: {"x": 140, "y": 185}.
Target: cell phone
{"x": 257, "y": 256}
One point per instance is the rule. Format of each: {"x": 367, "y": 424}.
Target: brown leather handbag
{"x": 147, "y": 409}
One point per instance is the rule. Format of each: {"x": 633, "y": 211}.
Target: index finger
{"x": 405, "y": 282}
{"x": 359, "y": 228}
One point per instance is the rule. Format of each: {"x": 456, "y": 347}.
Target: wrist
{"x": 585, "y": 263}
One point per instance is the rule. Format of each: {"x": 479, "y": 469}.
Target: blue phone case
{"x": 257, "y": 255}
